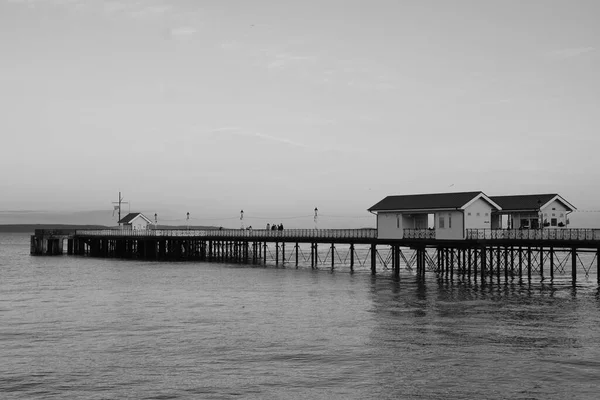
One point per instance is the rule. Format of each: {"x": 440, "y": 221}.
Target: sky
{"x": 277, "y": 107}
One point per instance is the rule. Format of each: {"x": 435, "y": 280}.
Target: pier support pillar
{"x": 574, "y": 266}
{"x": 552, "y": 263}
{"x": 598, "y": 265}
{"x": 373, "y": 259}
{"x": 296, "y": 248}
{"x": 483, "y": 256}
{"x": 332, "y": 256}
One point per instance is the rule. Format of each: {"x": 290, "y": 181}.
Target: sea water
{"x": 77, "y": 327}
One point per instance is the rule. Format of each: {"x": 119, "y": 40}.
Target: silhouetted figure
{"x": 273, "y": 227}
{"x": 268, "y": 226}
{"x": 280, "y": 227}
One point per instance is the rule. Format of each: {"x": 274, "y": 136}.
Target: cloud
{"x": 182, "y": 32}
{"x": 287, "y": 59}
{"x": 156, "y": 10}
{"x": 241, "y": 132}
{"x": 570, "y": 52}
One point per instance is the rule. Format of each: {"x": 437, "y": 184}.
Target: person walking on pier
{"x": 268, "y": 226}
{"x": 280, "y": 227}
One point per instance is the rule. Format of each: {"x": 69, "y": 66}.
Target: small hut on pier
{"x": 134, "y": 221}
{"x": 531, "y": 211}
{"x": 408, "y": 216}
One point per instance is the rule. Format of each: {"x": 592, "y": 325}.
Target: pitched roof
{"x": 426, "y": 201}
{"x": 131, "y": 216}
{"x": 531, "y": 202}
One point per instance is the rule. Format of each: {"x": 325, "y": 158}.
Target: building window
{"x": 469, "y": 214}
{"x": 553, "y": 222}
{"x": 449, "y": 221}
{"x": 441, "y": 222}
{"x": 554, "y": 215}
{"x": 553, "y": 208}
{"x": 478, "y": 214}
{"x": 561, "y": 215}
{"x": 486, "y": 214}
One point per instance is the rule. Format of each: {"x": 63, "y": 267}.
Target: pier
{"x": 485, "y": 255}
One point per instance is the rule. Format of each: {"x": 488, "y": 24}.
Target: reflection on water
{"x": 90, "y": 328}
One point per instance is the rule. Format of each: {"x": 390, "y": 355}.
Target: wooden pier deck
{"x": 487, "y": 256}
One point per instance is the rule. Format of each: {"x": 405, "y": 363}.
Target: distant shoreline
{"x": 30, "y": 228}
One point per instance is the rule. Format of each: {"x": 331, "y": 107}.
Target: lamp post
{"x": 187, "y": 219}
{"x": 241, "y": 219}
{"x": 316, "y": 218}
{"x": 155, "y": 221}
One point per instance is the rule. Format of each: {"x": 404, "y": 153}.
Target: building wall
{"x": 389, "y": 225}
{"x": 555, "y": 210}
{"x": 453, "y": 226}
{"x": 138, "y": 223}
{"x": 478, "y": 215}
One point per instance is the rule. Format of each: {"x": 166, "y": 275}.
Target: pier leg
{"x": 483, "y": 254}
{"x": 574, "y": 266}
{"x": 373, "y": 259}
{"x": 283, "y": 254}
{"x": 598, "y": 265}
{"x": 312, "y": 255}
{"x": 276, "y": 254}
{"x": 491, "y": 267}
{"x": 529, "y": 264}
{"x": 506, "y": 264}
{"x": 351, "y": 257}
{"x": 512, "y": 263}
{"x": 498, "y": 262}
{"x": 397, "y": 260}
{"x": 296, "y": 254}
{"x": 446, "y": 262}
{"x": 451, "y": 264}
{"x": 551, "y": 263}
{"x": 541, "y": 251}
{"x": 475, "y": 264}
{"x": 520, "y": 263}
{"x": 332, "y": 256}
{"x": 469, "y": 260}
{"x": 265, "y": 253}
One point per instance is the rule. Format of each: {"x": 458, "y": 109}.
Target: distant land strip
{"x": 30, "y": 228}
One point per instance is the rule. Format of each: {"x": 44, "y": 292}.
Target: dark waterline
{"x": 90, "y": 328}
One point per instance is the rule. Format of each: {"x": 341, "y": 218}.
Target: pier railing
{"x": 419, "y": 234}
{"x": 534, "y": 234}
{"x": 237, "y": 233}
